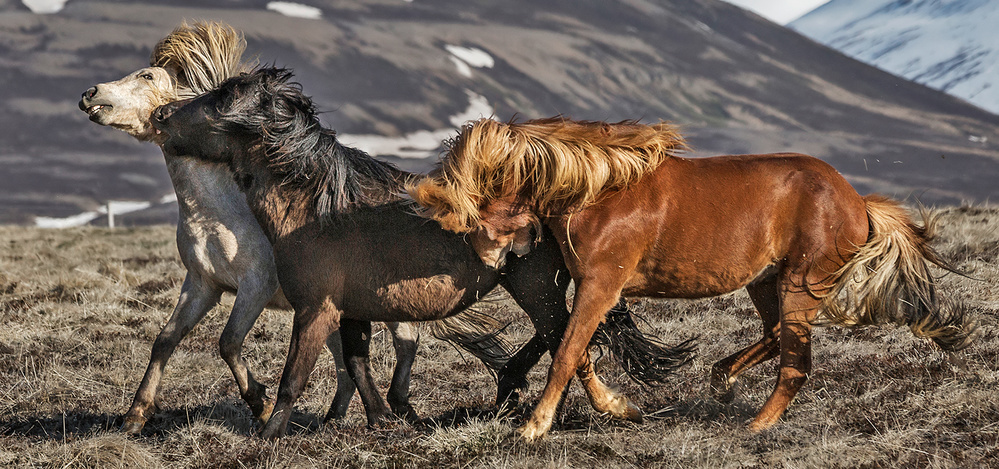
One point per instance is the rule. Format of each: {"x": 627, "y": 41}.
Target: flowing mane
{"x": 298, "y": 150}
{"x": 200, "y": 56}
{"x": 554, "y": 165}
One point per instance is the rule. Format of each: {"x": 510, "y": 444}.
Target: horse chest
{"x": 222, "y": 254}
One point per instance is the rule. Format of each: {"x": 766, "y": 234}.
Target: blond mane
{"x": 552, "y": 165}
{"x": 201, "y": 56}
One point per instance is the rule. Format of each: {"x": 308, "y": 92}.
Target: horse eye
{"x": 147, "y": 76}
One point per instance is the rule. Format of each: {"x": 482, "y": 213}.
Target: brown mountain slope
{"x": 735, "y": 81}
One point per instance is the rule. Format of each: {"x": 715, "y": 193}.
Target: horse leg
{"x": 798, "y": 309}
{"x": 602, "y": 398}
{"x": 591, "y": 304}
{"x": 344, "y": 383}
{"x": 312, "y": 325}
{"x": 405, "y": 340}
{"x": 538, "y": 282}
{"x": 251, "y": 297}
{"x": 356, "y": 337}
{"x": 512, "y": 378}
{"x": 766, "y": 298}
{"x": 197, "y": 297}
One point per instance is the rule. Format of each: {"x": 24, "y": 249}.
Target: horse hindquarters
{"x": 889, "y": 281}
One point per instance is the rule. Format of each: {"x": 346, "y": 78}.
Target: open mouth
{"x": 96, "y": 108}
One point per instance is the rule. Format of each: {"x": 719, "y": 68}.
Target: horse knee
{"x": 230, "y": 348}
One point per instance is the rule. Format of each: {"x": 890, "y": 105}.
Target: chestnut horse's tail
{"x": 888, "y": 280}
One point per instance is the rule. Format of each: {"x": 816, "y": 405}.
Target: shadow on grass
{"x": 231, "y": 414}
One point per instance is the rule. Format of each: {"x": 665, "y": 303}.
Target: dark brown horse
{"x": 348, "y": 248}
{"x": 633, "y": 219}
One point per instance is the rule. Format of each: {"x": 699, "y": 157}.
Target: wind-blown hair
{"x": 200, "y": 56}
{"x": 552, "y": 165}
{"x": 297, "y": 149}
{"x": 888, "y": 280}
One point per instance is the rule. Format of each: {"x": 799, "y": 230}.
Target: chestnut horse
{"x": 220, "y": 243}
{"x": 634, "y": 219}
{"x": 348, "y": 248}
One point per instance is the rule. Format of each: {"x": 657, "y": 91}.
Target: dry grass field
{"x": 79, "y": 309}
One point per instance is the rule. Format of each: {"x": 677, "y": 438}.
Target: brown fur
{"x": 787, "y": 227}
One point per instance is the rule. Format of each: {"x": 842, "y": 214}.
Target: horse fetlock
{"x": 260, "y": 404}
{"x": 275, "y": 426}
{"x": 762, "y": 422}
{"x": 266, "y": 409}
{"x": 404, "y": 411}
{"x": 620, "y": 407}
{"x": 508, "y": 391}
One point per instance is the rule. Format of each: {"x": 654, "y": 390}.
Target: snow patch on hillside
{"x": 44, "y": 6}
{"x": 466, "y": 57}
{"x": 949, "y": 45}
{"x": 422, "y": 143}
{"x": 295, "y": 10}
{"x": 118, "y": 207}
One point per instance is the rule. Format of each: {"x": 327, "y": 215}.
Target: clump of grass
{"x": 80, "y": 308}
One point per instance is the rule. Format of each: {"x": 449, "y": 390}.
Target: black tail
{"x": 478, "y": 333}
{"x": 644, "y": 359}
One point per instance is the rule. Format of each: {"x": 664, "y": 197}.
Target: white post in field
{"x": 110, "y": 215}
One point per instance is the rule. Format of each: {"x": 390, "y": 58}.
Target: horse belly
{"x": 694, "y": 277}
{"x": 417, "y": 299}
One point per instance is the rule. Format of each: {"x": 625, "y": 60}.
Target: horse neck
{"x": 207, "y": 194}
{"x": 279, "y": 209}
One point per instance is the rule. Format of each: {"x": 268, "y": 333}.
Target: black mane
{"x": 298, "y": 150}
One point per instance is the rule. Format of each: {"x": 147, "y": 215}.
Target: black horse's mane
{"x": 298, "y": 150}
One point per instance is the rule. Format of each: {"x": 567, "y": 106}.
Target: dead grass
{"x": 79, "y": 309}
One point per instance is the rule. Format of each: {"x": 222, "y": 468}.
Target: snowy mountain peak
{"x": 950, "y": 45}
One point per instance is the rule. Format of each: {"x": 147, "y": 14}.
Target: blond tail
{"x": 888, "y": 280}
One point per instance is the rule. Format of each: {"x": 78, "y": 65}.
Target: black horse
{"x": 350, "y": 249}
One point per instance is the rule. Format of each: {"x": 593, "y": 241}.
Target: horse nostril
{"x": 89, "y": 94}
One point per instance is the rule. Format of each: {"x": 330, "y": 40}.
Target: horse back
{"x": 704, "y": 226}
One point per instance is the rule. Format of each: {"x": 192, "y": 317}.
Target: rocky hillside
{"x": 951, "y": 46}
{"x": 397, "y": 76}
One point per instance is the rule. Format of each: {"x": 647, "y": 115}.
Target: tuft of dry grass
{"x": 80, "y": 309}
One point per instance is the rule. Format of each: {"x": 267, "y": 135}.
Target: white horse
{"x": 220, "y": 242}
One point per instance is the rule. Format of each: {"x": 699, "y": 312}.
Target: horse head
{"x": 127, "y": 103}
{"x": 505, "y": 226}
{"x": 225, "y": 123}
{"x": 187, "y": 62}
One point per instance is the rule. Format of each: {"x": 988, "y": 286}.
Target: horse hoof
{"x": 406, "y": 413}
{"x": 633, "y": 413}
{"x": 530, "y": 432}
{"x": 757, "y": 426}
{"x": 270, "y": 432}
{"x": 722, "y": 388}
{"x": 133, "y": 425}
